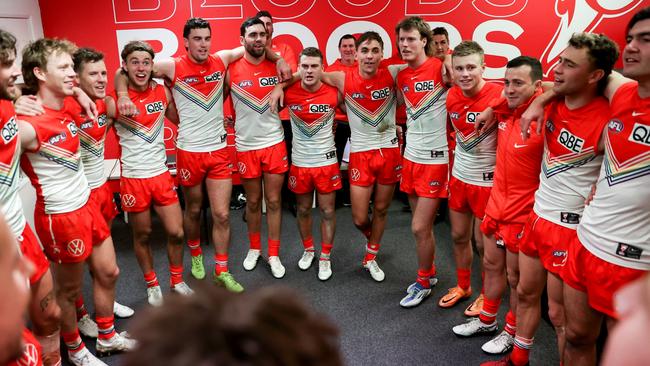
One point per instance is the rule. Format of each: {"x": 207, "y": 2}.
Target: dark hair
{"x": 264, "y": 13}
{"x": 194, "y": 23}
{"x": 466, "y": 48}
{"x": 642, "y": 14}
{"x": 134, "y": 46}
{"x": 271, "y": 326}
{"x": 535, "y": 66}
{"x": 7, "y": 47}
{"x": 249, "y": 23}
{"x": 602, "y": 51}
{"x": 85, "y": 55}
{"x": 311, "y": 52}
{"x": 437, "y": 31}
{"x": 370, "y": 36}
{"x": 36, "y": 54}
{"x": 417, "y": 23}
{"x": 346, "y": 36}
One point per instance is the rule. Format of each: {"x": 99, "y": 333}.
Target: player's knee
{"x": 360, "y": 223}
{"x": 193, "y": 212}
{"x": 176, "y": 235}
{"x": 579, "y": 336}
{"x": 68, "y": 292}
{"x": 108, "y": 275}
{"x": 526, "y": 295}
{"x": 253, "y": 203}
{"x": 142, "y": 235}
{"x": 513, "y": 278}
{"x": 459, "y": 238}
{"x": 303, "y": 212}
{"x": 490, "y": 264}
{"x": 49, "y": 319}
{"x": 328, "y": 213}
{"x": 556, "y": 314}
{"x": 221, "y": 218}
{"x": 380, "y": 211}
{"x": 273, "y": 204}
{"x": 420, "y": 231}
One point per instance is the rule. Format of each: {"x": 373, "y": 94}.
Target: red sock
{"x": 274, "y": 248}
{"x": 151, "y": 279}
{"x": 105, "y": 327}
{"x": 482, "y": 283}
{"x": 521, "y": 351}
{"x": 175, "y": 274}
{"x": 72, "y": 341}
{"x": 371, "y": 252}
{"x": 423, "y": 278}
{"x": 195, "y": 247}
{"x": 490, "y": 309}
{"x": 434, "y": 271}
{"x": 308, "y": 244}
{"x": 255, "y": 240}
{"x": 325, "y": 251}
{"x": 463, "y": 276}
{"x": 81, "y": 308}
{"x": 220, "y": 263}
{"x": 511, "y": 323}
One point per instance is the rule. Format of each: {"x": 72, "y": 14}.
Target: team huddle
{"x": 551, "y": 180}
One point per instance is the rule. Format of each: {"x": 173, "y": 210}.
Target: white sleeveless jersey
{"x": 371, "y": 110}
{"x": 616, "y": 224}
{"x": 256, "y": 127}
{"x": 141, "y": 136}
{"x": 571, "y": 160}
{"x": 198, "y": 94}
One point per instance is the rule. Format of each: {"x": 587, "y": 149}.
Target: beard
{"x": 250, "y": 48}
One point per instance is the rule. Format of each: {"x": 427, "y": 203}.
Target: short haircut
{"x": 535, "y": 66}
{"x": 602, "y": 51}
{"x": 85, "y": 55}
{"x": 264, "y": 13}
{"x": 642, "y": 14}
{"x": 37, "y": 53}
{"x": 437, "y": 31}
{"x": 370, "y": 36}
{"x": 466, "y": 48}
{"x": 135, "y": 46}
{"x": 249, "y": 23}
{"x": 7, "y": 47}
{"x": 195, "y": 23}
{"x": 346, "y": 36}
{"x": 270, "y": 326}
{"x": 311, "y": 52}
{"x": 417, "y": 23}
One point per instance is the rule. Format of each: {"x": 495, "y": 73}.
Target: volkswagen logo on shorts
{"x": 76, "y": 247}
{"x": 128, "y": 200}
{"x": 185, "y": 174}
{"x": 355, "y": 174}
{"x": 242, "y": 167}
{"x": 30, "y": 356}
{"x": 292, "y": 181}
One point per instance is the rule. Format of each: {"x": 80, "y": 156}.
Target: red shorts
{"x": 425, "y": 180}
{"x": 599, "y": 279}
{"x": 507, "y": 234}
{"x": 102, "y": 198}
{"x": 464, "y": 197}
{"x": 139, "y": 193}
{"x": 32, "y": 352}
{"x": 324, "y": 179}
{"x": 547, "y": 241}
{"x": 31, "y": 249}
{"x": 272, "y": 159}
{"x": 381, "y": 165}
{"x": 194, "y": 167}
{"x": 69, "y": 237}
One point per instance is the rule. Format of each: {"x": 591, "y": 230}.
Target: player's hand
{"x": 590, "y": 197}
{"x": 228, "y": 122}
{"x": 535, "y": 112}
{"x": 28, "y": 105}
{"x": 484, "y": 121}
{"x": 277, "y": 99}
{"x": 284, "y": 70}
{"x": 126, "y": 106}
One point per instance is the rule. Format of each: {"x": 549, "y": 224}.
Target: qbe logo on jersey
{"x": 380, "y": 94}
{"x": 319, "y": 108}
{"x": 9, "y": 130}
{"x": 472, "y": 117}
{"x": 155, "y": 107}
{"x": 425, "y": 86}
{"x": 640, "y": 134}
{"x": 269, "y": 81}
{"x": 570, "y": 141}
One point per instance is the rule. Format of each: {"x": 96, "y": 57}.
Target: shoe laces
{"x": 373, "y": 266}
{"x": 324, "y": 265}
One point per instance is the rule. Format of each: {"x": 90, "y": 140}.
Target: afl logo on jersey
{"x": 86, "y": 125}
{"x": 454, "y": 115}
{"x": 615, "y": 125}
{"x": 425, "y": 86}
{"x": 245, "y": 84}
{"x": 357, "y": 96}
{"x": 191, "y": 80}
{"x": 268, "y": 81}
{"x": 213, "y": 78}
{"x": 319, "y": 108}
{"x": 295, "y": 107}
{"x": 9, "y": 130}
{"x": 380, "y": 94}
{"x": 405, "y": 89}
{"x": 155, "y": 107}
{"x": 57, "y": 138}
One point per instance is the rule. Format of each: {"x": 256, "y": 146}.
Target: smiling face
{"x": 636, "y": 54}
{"x": 519, "y": 86}
{"x": 59, "y": 75}
{"x": 348, "y": 50}
{"x": 574, "y": 72}
{"x": 93, "y": 78}
{"x": 138, "y": 66}
{"x": 254, "y": 40}
{"x": 468, "y": 73}
{"x": 9, "y": 72}
{"x": 198, "y": 44}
